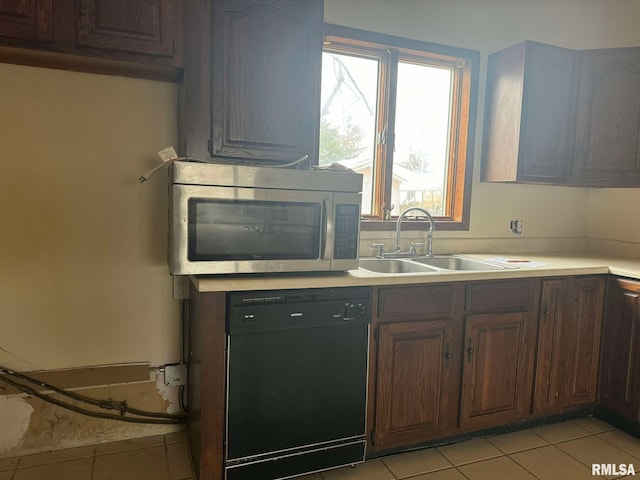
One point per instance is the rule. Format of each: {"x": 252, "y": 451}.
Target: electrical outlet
{"x": 175, "y": 375}
{"x": 167, "y": 154}
{"x": 181, "y": 286}
{"x": 516, "y": 226}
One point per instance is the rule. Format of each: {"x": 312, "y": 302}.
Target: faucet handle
{"x": 413, "y": 246}
{"x": 380, "y": 247}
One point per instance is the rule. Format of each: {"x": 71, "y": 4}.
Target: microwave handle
{"x": 326, "y": 236}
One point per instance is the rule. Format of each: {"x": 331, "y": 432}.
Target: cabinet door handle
{"x": 469, "y": 350}
{"x": 545, "y": 313}
{"x": 447, "y": 355}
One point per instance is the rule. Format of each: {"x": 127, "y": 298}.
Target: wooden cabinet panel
{"x": 583, "y": 340}
{"x": 494, "y": 369}
{"x": 414, "y": 370}
{"x": 134, "y": 38}
{"x": 620, "y": 364}
{"x": 569, "y": 328}
{"x": 27, "y": 19}
{"x": 496, "y": 296}
{"x": 137, "y": 26}
{"x": 266, "y": 78}
{"x": 422, "y": 301}
{"x": 548, "y": 393}
{"x": 528, "y": 114}
{"x": 607, "y": 143}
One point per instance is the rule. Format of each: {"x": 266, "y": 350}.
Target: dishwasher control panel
{"x": 356, "y": 310}
{"x": 249, "y": 312}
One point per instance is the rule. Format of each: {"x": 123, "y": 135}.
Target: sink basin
{"x": 394, "y": 265}
{"x": 451, "y": 262}
{"x": 438, "y": 263}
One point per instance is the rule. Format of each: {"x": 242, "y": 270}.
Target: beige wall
{"x": 488, "y": 26}
{"x": 83, "y": 275}
{"x": 614, "y": 223}
{"x": 83, "y": 245}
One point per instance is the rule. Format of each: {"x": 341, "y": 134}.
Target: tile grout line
{"x": 569, "y": 455}
{"x": 93, "y": 463}
{"x": 15, "y": 468}
{"x": 579, "y": 461}
{"x": 462, "y": 473}
{"x": 166, "y": 457}
{"x": 613, "y": 444}
{"x": 549, "y": 444}
{"x": 522, "y": 466}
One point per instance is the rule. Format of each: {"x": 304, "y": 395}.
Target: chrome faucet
{"x": 412, "y": 250}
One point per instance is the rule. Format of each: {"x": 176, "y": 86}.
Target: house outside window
{"x": 402, "y": 113}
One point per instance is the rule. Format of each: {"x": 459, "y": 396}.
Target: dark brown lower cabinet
{"x": 551, "y": 353}
{"x": 620, "y": 365}
{"x": 569, "y": 327}
{"x": 583, "y": 341}
{"x": 494, "y": 365}
{"x": 453, "y": 358}
{"x": 414, "y": 371}
{"x": 499, "y": 334}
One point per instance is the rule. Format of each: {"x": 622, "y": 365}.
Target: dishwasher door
{"x": 297, "y": 382}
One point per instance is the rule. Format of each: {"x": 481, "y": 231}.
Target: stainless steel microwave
{"x": 242, "y": 219}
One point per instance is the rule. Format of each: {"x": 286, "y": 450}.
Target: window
{"x": 402, "y": 113}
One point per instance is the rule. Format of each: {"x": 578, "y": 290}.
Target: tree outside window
{"x": 401, "y": 113}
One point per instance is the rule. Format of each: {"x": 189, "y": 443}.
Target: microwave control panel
{"x": 347, "y": 227}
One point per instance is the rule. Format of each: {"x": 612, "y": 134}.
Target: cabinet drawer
{"x": 415, "y": 302}
{"x": 496, "y": 296}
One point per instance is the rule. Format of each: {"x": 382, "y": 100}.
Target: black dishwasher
{"x": 297, "y": 365}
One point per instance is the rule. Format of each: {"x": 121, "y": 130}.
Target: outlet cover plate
{"x": 175, "y": 375}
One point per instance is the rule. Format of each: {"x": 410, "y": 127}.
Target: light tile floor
{"x": 162, "y": 457}
{"x": 563, "y": 451}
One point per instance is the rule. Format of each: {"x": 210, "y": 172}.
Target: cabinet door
{"x": 266, "y": 79}
{"x": 548, "y": 98}
{"x": 607, "y": 144}
{"x": 137, "y": 26}
{"x": 528, "y": 114}
{"x": 583, "y": 341}
{"x": 27, "y": 19}
{"x": 620, "y": 365}
{"x": 413, "y": 376}
{"x": 494, "y": 373}
{"x": 549, "y": 378}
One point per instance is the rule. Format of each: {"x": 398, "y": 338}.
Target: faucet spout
{"x": 429, "y": 233}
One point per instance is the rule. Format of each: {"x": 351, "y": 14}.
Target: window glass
{"x": 402, "y": 113}
{"x": 420, "y": 161}
{"x": 348, "y": 116}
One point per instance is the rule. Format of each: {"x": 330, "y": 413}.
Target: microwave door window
{"x": 253, "y": 230}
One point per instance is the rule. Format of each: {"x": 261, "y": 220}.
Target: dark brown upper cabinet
{"x": 528, "y": 114}
{"x": 135, "y": 38}
{"x": 265, "y": 80}
{"x": 137, "y": 26}
{"x": 563, "y": 117}
{"x": 607, "y": 140}
{"x": 27, "y": 19}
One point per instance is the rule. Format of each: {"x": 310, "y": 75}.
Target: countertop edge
{"x": 554, "y": 264}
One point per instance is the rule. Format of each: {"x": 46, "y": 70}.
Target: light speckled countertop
{"x": 556, "y": 264}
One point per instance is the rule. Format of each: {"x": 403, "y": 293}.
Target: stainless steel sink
{"x": 452, "y": 262}
{"x": 437, "y": 263}
{"x": 394, "y": 265}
